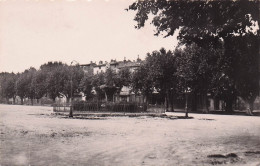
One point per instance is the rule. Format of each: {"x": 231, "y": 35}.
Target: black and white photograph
{"x": 129, "y": 82}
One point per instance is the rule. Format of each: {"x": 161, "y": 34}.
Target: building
{"x": 88, "y": 68}
{"x": 132, "y": 65}
{"x": 100, "y": 67}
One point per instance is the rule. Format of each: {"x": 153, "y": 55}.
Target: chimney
{"x": 138, "y": 59}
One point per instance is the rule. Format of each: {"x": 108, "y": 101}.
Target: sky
{"x": 33, "y": 32}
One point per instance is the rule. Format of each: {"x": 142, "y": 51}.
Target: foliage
{"x": 97, "y": 81}
{"x": 124, "y": 77}
{"x": 40, "y": 84}
{"x": 196, "y": 67}
{"x": 213, "y": 24}
{"x": 141, "y": 83}
{"x": 245, "y": 67}
{"x": 72, "y": 78}
{"x": 110, "y": 86}
{"x": 8, "y": 85}
{"x": 198, "y": 20}
{"x": 30, "y": 75}
{"x": 56, "y": 74}
{"x": 86, "y": 86}
{"x": 162, "y": 68}
{"x": 23, "y": 84}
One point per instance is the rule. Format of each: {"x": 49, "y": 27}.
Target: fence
{"x": 61, "y": 107}
{"x": 83, "y": 106}
{"x": 112, "y": 107}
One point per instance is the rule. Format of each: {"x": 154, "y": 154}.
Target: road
{"x": 33, "y": 135}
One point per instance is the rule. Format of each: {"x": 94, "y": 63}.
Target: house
{"x": 100, "y": 67}
{"x": 88, "y": 68}
{"x": 132, "y": 65}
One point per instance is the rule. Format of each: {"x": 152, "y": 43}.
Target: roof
{"x": 100, "y": 65}
{"x": 128, "y": 64}
{"x": 89, "y": 64}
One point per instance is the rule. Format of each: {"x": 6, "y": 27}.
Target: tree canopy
{"x": 231, "y": 25}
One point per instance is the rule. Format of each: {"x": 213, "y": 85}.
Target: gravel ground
{"x": 33, "y": 135}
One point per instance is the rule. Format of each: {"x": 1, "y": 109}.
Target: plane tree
{"x": 97, "y": 81}
{"x": 8, "y": 85}
{"x": 162, "y": 72}
{"x": 124, "y": 77}
{"x": 55, "y": 76}
{"x": 211, "y": 24}
{"x": 86, "y": 86}
{"x": 110, "y": 86}
{"x": 72, "y": 76}
{"x": 196, "y": 69}
{"x": 141, "y": 83}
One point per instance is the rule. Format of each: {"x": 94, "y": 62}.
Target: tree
{"x": 97, "y": 81}
{"x": 110, "y": 84}
{"x": 86, "y": 86}
{"x": 55, "y": 76}
{"x": 208, "y": 24}
{"x": 30, "y": 76}
{"x": 71, "y": 80}
{"x": 245, "y": 65}
{"x": 196, "y": 68}
{"x": 40, "y": 84}
{"x": 141, "y": 83}
{"x": 8, "y": 83}
{"x": 162, "y": 69}
{"x": 124, "y": 77}
{"x": 198, "y": 21}
{"x": 22, "y": 85}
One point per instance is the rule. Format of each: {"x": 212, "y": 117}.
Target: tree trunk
{"x": 166, "y": 102}
{"x": 186, "y": 105}
{"x": 67, "y": 100}
{"x": 205, "y": 108}
{"x": 172, "y": 108}
{"x": 250, "y": 107}
{"x": 106, "y": 96}
{"x": 32, "y": 101}
{"x": 21, "y": 100}
{"x": 229, "y": 106}
{"x": 216, "y": 104}
{"x": 14, "y": 100}
{"x": 171, "y": 102}
{"x": 194, "y": 102}
{"x": 144, "y": 103}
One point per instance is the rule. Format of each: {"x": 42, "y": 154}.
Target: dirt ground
{"x": 32, "y": 135}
